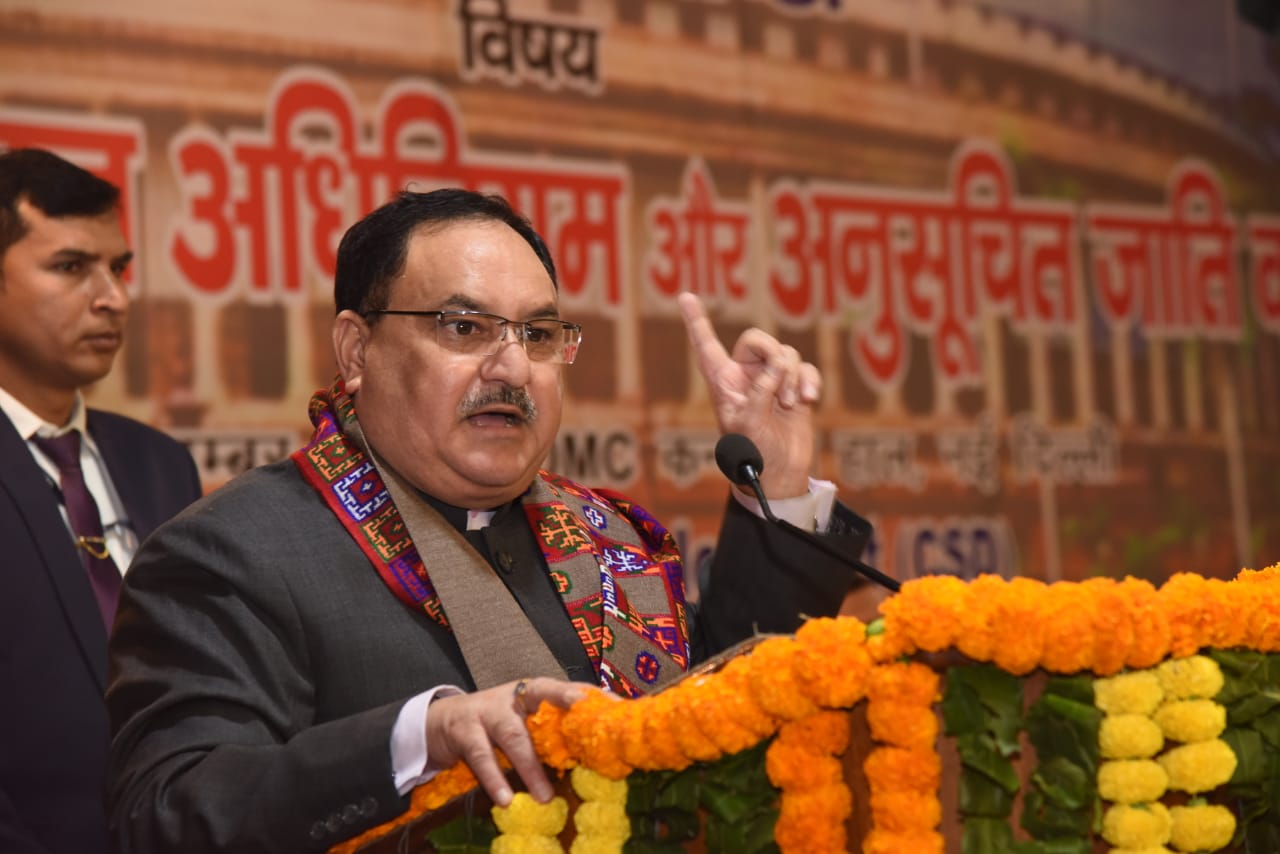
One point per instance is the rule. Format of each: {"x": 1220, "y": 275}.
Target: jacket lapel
{"x": 37, "y": 505}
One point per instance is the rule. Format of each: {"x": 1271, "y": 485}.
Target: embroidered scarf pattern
{"x": 617, "y": 570}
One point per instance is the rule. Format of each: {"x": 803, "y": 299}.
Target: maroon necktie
{"x": 85, "y": 522}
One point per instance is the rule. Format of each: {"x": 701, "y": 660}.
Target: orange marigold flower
{"x": 736, "y": 679}
{"x": 592, "y": 736}
{"x": 903, "y": 812}
{"x": 773, "y": 679}
{"x": 903, "y": 725}
{"x": 813, "y": 820}
{"x": 977, "y": 637}
{"x": 661, "y": 724}
{"x": 1067, "y": 616}
{"x": 633, "y": 740}
{"x": 793, "y": 768}
{"x": 928, "y": 611}
{"x": 544, "y": 728}
{"x": 1150, "y": 624}
{"x": 921, "y": 842}
{"x": 903, "y": 683}
{"x": 711, "y": 703}
{"x": 1019, "y": 633}
{"x": 832, "y": 662}
{"x": 693, "y": 743}
{"x": 897, "y": 769}
{"x": 1112, "y": 630}
{"x": 1192, "y": 607}
{"x": 1262, "y": 590}
{"x": 823, "y": 732}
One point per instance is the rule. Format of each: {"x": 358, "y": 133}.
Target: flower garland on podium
{"x": 795, "y": 690}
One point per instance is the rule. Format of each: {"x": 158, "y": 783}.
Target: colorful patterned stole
{"x": 617, "y": 570}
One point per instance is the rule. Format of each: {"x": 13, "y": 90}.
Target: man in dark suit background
{"x": 62, "y": 314}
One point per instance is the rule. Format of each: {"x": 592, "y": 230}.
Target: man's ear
{"x": 350, "y": 337}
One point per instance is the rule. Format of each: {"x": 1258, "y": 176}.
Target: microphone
{"x": 740, "y": 460}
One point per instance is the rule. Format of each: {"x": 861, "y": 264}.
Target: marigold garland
{"x": 1020, "y": 624}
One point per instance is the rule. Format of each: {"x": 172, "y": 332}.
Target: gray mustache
{"x": 517, "y": 397}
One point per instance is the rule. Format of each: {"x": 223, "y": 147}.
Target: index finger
{"x": 707, "y": 348}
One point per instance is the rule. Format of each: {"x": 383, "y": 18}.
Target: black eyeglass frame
{"x": 523, "y": 326}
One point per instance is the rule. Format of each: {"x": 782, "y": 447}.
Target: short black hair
{"x": 373, "y": 251}
{"x": 56, "y": 187}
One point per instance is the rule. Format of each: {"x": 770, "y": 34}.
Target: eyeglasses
{"x": 475, "y": 333}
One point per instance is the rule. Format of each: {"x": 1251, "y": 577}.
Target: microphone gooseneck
{"x": 740, "y": 460}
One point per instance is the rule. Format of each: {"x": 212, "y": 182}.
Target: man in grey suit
{"x": 300, "y": 649}
{"x": 65, "y": 537}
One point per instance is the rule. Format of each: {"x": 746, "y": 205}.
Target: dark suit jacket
{"x": 259, "y": 663}
{"x": 53, "y": 648}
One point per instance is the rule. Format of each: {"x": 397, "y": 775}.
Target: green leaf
{"x": 1251, "y": 761}
{"x": 466, "y": 834}
{"x": 980, "y": 753}
{"x": 1064, "y": 784}
{"x": 979, "y": 795}
{"x": 986, "y": 836}
{"x": 1043, "y": 820}
{"x": 1257, "y": 704}
{"x": 1077, "y": 688}
{"x": 1061, "y": 727}
{"x": 1000, "y": 694}
{"x": 1268, "y": 726}
{"x": 962, "y": 711}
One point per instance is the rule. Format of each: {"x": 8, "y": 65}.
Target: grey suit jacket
{"x": 53, "y": 646}
{"x": 259, "y": 663}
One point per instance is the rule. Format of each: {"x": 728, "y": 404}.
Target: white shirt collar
{"x": 28, "y": 424}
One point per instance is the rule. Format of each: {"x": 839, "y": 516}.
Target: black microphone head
{"x": 739, "y": 458}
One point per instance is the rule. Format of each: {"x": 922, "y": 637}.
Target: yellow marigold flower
{"x": 1068, "y": 628}
{"x": 1199, "y": 767}
{"x": 591, "y": 786}
{"x": 1195, "y": 677}
{"x": 524, "y": 815}
{"x": 1129, "y": 737}
{"x": 1019, "y": 632}
{"x": 774, "y": 682}
{"x": 977, "y": 637}
{"x": 832, "y": 662}
{"x": 588, "y": 844}
{"x": 1132, "y": 781}
{"x": 813, "y": 820}
{"x": 604, "y": 819}
{"x": 883, "y": 842}
{"x": 1112, "y": 624}
{"x": 1205, "y": 827}
{"x": 1151, "y": 636}
{"x": 824, "y": 732}
{"x": 525, "y": 843}
{"x": 896, "y": 769}
{"x": 903, "y": 812}
{"x": 1191, "y": 720}
{"x": 1137, "y": 693}
{"x": 793, "y": 768}
{"x": 929, "y": 611}
{"x": 1140, "y": 826}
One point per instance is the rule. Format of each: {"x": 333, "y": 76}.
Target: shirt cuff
{"x": 811, "y": 512}
{"x": 409, "y": 760}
